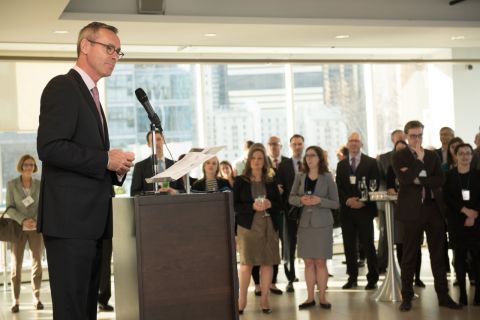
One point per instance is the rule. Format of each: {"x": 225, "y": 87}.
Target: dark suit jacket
{"x": 367, "y": 168}
{"x": 200, "y": 185}
{"x": 243, "y": 202}
{"x": 285, "y": 176}
{"x": 282, "y": 159}
{"x": 452, "y": 193}
{"x": 410, "y": 195}
{"x": 143, "y": 170}
{"x": 76, "y": 187}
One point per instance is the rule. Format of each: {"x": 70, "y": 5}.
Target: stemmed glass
{"x": 373, "y": 185}
{"x": 261, "y": 199}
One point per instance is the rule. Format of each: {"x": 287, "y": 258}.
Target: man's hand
{"x": 120, "y": 161}
{"x": 469, "y": 222}
{"x": 420, "y": 152}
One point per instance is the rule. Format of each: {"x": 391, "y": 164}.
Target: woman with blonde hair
{"x": 22, "y": 206}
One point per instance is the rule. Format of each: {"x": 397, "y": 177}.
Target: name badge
{"x": 422, "y": 174}
{"x": 27, "y": 202}
{"x": 353, "y": 179}
{"x": 466, "y": 195}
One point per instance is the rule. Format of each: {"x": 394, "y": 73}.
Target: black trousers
{"x": 432, "y": 222}
{"x": 74, "y": 270}
{"x": 461, "y": 250}
{"x": 105, "y": 289}
{"x": 289, "y": 266}
{"x": 354, "y": 227}
{"x": 418, "y": 265}
{"x": 256, "y": 274}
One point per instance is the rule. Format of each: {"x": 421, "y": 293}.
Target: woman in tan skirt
{"x": 257, "y": 206}
{"x": 316, "y": 192}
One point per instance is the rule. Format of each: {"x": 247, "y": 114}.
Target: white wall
{"x": 466, "y": 91}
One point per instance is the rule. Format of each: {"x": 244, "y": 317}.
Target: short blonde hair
{"x": 22, "y": 160}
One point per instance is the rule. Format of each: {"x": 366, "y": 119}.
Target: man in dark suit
{"x": 420, "y": 207}
{"x": 384, "y": 161}
{"x": 285, "y": 176}
{"x": 446, "y": 134}
{"x": 274, "y": 148}
{"x": 357, "y": 216}
{"x": 144, "y": 169}
{"x": 75, "y": 205}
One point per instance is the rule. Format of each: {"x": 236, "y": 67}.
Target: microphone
{"x": 143, "y": 99}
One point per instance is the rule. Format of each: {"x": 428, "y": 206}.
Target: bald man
{"x": 357, "y": 216}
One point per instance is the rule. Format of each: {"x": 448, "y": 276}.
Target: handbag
{"x": 10, "y": 230}
{"x": 294, "y": 213}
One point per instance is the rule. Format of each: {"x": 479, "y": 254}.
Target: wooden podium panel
{"x": 186, "y": 257}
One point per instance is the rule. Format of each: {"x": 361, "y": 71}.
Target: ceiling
{"x": 250, "y": 29}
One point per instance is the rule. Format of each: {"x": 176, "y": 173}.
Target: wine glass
{"x": 373, "y": 185}
{"x": 261, "y": 198}
{"x": 309, "y": 193}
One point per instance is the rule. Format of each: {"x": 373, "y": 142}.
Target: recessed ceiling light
{"x": 60, "y": 31}
{"x": 210, "y": 34}
{"x": 457, "y": 38}
{"x": 342, "y": 36}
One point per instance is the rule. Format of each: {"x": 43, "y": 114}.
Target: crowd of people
{"x": 276, "y": 199}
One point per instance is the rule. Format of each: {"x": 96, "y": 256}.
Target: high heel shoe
{"x": 267, "y": 311}
{"x": 326, "y": 305}
{"x": 15, "y": 308}
{"x": 306, "y": 305}
{"x": 240, "y": 311}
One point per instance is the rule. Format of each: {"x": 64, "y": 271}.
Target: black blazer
{"x": 285, "y": 176}
{"x": 282, "y": 159}
{"x": 76, "y": 187}
{"x": 143, "y": 170}
{"x": 409, "y": 201}
{"x": 243, "y": 202}
{"x": 367, "y": 168}
{"x": 452, "y": 193}
{"x": 200, "y": 185}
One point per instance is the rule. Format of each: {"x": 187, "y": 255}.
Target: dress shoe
{"x": 15, "y": 308}
{"x": 350, "y": 285}
{"x": 405, "y": 306}
{"x": 419, "y": 283}
{"x": 371, "y": 286}
{"x": 326, "y": 305}
{"x": 306, "y": 305}
{"x": 38, "y": 305}
{"x": 267, "y": 311}
{"x": 289, "y": 287}
{"x": 105, "y": 307}
{"x": 361, "y": 263}
{"x": 258, "y": 293}
{"x": 449, "y": 303}
{"x": 276, "y": 291}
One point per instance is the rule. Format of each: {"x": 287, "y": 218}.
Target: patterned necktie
{"x": 96, "y": 98}
{"x": 354, "y": 165}
{"x": 300, "y": 166}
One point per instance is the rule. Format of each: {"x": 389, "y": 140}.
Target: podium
{"x": 174, "y": 257}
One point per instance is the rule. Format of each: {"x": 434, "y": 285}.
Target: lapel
{"x": 87, "y": 95}
{"x": 361, "y": 166}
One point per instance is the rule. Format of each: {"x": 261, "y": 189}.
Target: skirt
{"x": 315, "y": 243}
{"x": 258, "y": 245}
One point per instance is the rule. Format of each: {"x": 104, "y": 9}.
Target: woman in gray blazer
{"x": 22, "y": 206}
{"x": 315, "y": 191}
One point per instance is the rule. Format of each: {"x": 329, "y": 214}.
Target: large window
{"x": 226, "y": 104}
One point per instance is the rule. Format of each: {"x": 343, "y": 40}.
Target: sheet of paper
{"x": 192, "y": 160}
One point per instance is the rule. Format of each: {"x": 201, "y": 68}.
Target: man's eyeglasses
{"x": 416, "y": 136}
{"x": 109, "y": 48}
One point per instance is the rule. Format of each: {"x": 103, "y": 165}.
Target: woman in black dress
{"x": 462, "y": 197}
